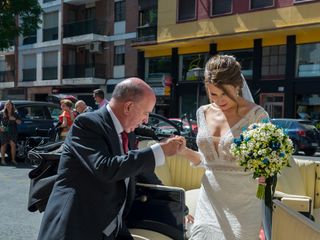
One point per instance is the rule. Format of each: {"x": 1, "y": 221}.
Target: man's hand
{"x": 172, "y": 145}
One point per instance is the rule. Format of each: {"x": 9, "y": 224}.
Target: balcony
{"x": 92, "y": 26}
{"x": 7, "y": 76}
{"x": 146, "y": 33}
{"x": 97, "y": 70}
{"x": 29, "y": 75}
{"x": 49, "y": 73}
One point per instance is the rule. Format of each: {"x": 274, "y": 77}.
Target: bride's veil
{"x": 246, "y": 94}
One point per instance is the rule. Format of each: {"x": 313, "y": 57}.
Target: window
{"x": 308, "y": 60}
{"x": 119, "y": 11}
{"x": 256, "y": 4}
{"x": 192, "y": 66}
{"x": 29, "y": 70}
{"x": 90, "y": 13}
{"x": 31, "y": 38}
{"x": 34, "y": 112}
{"x": 50, "y": 26}
{"x": 273, "y": 62}
{"x": 245, "y": 58}
{"x": 221, "y": 7}
{"x": 50, "y": 63}
{"x": 273, "y": 103}
{"x": 186, "y": 10}
{"x": 157, "y": 67}
{"x": 119, "y": 55}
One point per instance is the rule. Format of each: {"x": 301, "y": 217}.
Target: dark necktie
{"x": 125, "y": 141}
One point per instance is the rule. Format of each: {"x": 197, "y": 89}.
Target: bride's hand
{"x": 262, "y": 180}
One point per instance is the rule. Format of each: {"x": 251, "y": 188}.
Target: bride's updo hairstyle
{"x": 221, "y": 70}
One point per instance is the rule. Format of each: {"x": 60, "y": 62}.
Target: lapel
{"x": 110, "y": 130}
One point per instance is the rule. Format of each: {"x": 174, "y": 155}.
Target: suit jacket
{"x": 90, "y": 188}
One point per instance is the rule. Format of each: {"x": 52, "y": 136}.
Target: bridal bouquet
{"x": 263, "y": 149}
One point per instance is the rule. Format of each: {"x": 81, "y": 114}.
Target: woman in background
{"x": 66, "y": 118}
{"x": 9, "y": 120}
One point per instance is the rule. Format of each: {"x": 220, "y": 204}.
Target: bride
{"x": 227, "y": 207}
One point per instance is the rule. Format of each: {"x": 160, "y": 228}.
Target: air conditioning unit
{"x": 95, "y": 47}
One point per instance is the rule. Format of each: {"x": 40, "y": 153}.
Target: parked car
{"x": 184, "y": 124}
{"x": 159, "y": 127}
{"x": 34, "y": 115}
{"x": 304, "y": 135}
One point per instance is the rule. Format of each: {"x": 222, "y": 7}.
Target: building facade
{"x": 81, "y": 45}
{"x": 277, "y": 43}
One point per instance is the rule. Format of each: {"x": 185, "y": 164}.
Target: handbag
{"x": 43, "y": 177}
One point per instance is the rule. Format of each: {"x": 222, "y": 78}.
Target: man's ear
{"x": 128, "y": 106}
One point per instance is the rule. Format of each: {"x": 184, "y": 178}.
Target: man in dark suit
{"x": 88, "y": 198}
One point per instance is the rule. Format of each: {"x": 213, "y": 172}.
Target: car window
{"x": 31, "y": 112}
{"x": 278, "y": 123}
{"x": 307, "y": 125}
{"x": 55, "y": 112}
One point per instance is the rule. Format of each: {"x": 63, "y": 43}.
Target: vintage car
{"x": 158, "y": 211}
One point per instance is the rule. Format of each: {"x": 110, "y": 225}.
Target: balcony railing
{"x": 29, "y": 75}
{"x": 7, "y": 76}
{"x": 97, "y": 70}
{"x": 50, "y": 34}
{"x": 84, "y": 27}
{"x": 49, "y": 73}
{"x": 146, "y": 33}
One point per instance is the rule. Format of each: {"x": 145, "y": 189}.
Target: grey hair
{"x": 128, "y": 91}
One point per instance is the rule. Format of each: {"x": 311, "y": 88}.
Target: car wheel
{"x": 310, "y": 152}
{"x": 20, "y": 149}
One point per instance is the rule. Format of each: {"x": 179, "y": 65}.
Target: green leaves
{"x": 17, "y": 17}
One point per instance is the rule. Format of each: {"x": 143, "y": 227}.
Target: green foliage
{"x": 27, "y": 11}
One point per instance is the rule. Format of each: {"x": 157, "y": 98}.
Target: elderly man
{"x": 82, "y": 107}
{"x": 98, "y": 166}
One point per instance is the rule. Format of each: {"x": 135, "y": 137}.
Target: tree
{"x": 17, "y": 17}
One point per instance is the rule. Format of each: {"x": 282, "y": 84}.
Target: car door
{"x": 33, "y": 117}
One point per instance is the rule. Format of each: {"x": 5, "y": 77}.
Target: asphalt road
{"x": 16, "y": 222}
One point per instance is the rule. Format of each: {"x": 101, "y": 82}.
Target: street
{"x": 16, "y": 222}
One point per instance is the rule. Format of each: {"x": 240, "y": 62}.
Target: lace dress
{"x": 227, "y": 207}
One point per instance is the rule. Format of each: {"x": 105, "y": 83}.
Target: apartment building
{"x": 81, "y": 45}
{"x": 276, "y": 41}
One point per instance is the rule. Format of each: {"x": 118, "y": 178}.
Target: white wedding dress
{"x": 227, "y": 207}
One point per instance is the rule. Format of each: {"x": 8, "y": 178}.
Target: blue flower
{"x": 265, "y": 120}
{"x": 265, "y": 160}
{"x": 241, "y": 137}
{"x": 274, "y": 145}
{"x": 281, "y": 154}
{"x": 237, "y": 141}
{"x": 247, "y": 139}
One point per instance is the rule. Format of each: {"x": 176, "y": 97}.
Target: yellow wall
{"x": 235, "y": 31}
{"x": 267, "y": 20}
